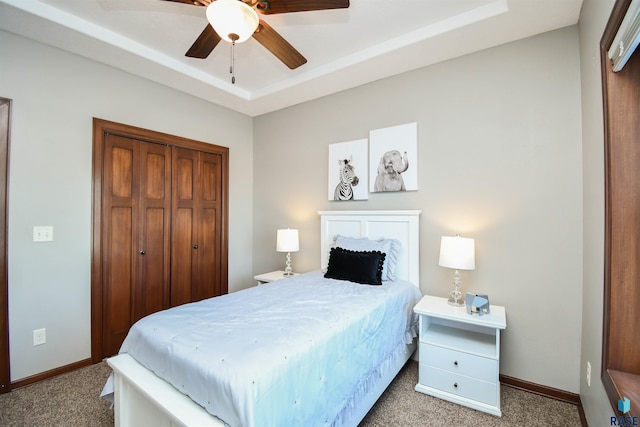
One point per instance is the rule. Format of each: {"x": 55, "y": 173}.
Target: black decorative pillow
{"x": 356, "y": 266}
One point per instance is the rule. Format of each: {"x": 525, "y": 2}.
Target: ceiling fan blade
{"x": 192, "y": 2}
{"x": 268, "y": 7}
{"x": 204, "y": 44}
{"x": 276, "y": 44}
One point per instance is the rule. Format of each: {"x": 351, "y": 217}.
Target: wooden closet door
{"x": 209, "y": 259}
{"x": 136, "y": 205}
{"x": 151, "y": 292}
{"x": 196, "y": 243}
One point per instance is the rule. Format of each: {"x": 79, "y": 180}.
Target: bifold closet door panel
{"x": 196, "y": 241}
{"x": 152, "y": 286}
{"x": 208, "y": 258}
{"x": 183, "y": 224}
{"x": 135, "y": 234}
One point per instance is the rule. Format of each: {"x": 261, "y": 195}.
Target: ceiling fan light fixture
{"x": 233, "y": 20}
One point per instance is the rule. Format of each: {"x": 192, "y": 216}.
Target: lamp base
{"x": 288, "y": 271}
{"x": 455, "y": 297}
{"x": 455, "y": 303}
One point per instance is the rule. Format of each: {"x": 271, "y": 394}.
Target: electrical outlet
{"x": 39, "y": 336}
{"x": 588, "y": 374}
{"x": 42, "y": 233}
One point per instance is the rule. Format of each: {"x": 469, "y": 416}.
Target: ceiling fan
{"x": 220, "y": 15}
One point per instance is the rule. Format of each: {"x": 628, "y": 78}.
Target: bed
{"x": 256, "y": 365}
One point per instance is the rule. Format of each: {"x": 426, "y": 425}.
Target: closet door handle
{"x": 195, "y": 246}
{"x": 143, "y": 252}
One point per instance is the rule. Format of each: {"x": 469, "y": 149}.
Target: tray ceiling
{"x": 370, "y": 40}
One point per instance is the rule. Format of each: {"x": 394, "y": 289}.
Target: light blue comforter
{"x": 295, "y": 352}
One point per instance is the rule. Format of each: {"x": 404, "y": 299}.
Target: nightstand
{"x": 271, "y": 277}
{"x": 460, "y": 354}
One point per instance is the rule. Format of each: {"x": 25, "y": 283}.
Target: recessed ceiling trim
{"x": 478, "y": 14}
{"x": 369, "y": 38}
{"x": 72, "y": 22}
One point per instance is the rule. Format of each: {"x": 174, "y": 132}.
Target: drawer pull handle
{"x": 455, "y": 385}
{"x": 455, "y": 362}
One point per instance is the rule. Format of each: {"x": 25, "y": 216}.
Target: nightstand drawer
{"x": 459, "y": 363}
{"x": 460, "y": 385}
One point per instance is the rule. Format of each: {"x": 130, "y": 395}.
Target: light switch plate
{"x": 39, "y": 336}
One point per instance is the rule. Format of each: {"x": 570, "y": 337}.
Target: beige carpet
{"x": 73, "y": 400}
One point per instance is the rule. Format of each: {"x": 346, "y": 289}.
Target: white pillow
{"x": 391, "y": 247}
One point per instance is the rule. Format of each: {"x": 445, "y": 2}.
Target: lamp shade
{"x": 457, "y": 252}
{"x": 233, "y": 20}
{"x": 287, "y": 240}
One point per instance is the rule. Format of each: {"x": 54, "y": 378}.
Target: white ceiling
{"x": 370, "y": 40}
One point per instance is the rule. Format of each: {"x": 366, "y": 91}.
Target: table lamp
{"x": 457, "y": 253}
{"x": 287, "y": 241}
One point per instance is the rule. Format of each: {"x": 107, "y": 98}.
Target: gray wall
{"x": 55, "y": 96}
{"x": 593, "y": 18}
{"x": 499, "y": 147}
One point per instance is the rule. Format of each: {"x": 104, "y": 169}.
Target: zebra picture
{"x": 348, "y": 179}
{"x": 348, "y": 171}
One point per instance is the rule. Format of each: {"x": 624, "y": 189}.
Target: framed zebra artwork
{"x": 348, "y": 174}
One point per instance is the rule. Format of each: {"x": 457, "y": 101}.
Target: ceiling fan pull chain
{"x": 232, "y": 64}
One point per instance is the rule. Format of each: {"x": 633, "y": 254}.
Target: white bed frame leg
{"x": 133, "y": 409}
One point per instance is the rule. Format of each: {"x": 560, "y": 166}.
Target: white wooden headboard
{"x": 400, "y": 225}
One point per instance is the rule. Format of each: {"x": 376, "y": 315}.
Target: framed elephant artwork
{"x": 393, "y": 158}
{"x": 348, "y": 173}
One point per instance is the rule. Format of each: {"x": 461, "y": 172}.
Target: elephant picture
{"x": 393, "y": 157}
{"x": 392, "y": 165}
